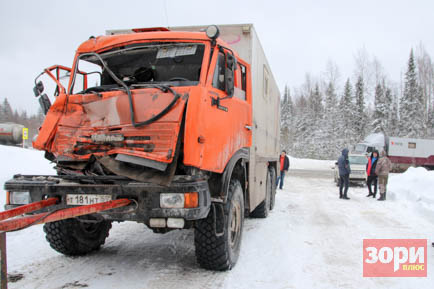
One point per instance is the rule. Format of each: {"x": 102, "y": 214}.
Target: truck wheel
{"x": 273, "y": 187}
{"x": 73, "y": 238}
{"x": 263, "y": 208}
{"x": 214, "y": 252}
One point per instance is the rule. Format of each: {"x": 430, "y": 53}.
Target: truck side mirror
{"x": 229, "y": 74}
{"x": 45, "y": 103}
{"x": 38, "y": 89}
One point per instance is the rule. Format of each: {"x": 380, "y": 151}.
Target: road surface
{"x": 311, "y": 240}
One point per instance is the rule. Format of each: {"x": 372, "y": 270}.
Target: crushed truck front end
{"x": 133, "y": 114}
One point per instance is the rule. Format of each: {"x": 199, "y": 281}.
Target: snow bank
{"x": 416, "y": 188}
{"x": 16, "y": 160}
{"x": 309, "y": 164}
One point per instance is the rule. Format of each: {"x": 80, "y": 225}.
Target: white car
{"x": 358, "y": 169}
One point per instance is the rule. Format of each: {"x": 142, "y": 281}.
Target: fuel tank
{"x": 11, "y": 133}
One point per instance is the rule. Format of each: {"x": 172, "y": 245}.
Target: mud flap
{"x": 218, "y": 212}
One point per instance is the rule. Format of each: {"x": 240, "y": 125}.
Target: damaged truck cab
{"x": 179, "y": 121}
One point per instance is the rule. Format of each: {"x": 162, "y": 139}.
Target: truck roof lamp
{"x": 212, "y": 32}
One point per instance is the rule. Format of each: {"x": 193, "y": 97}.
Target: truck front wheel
{"x": 216, "y": 251}
{"x": 73, "y": 237}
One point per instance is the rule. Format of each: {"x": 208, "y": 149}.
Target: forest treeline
{"x": 318, "y": 119}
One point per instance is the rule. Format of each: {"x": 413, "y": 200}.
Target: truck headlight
{"x": 172, "y": 201}
{"x": 178, "y": 201}
{"x": 19, "y": 198}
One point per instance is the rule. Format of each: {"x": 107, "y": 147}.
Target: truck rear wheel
{"x": 263, "y": 208}
{"x": 220, "y": 252}
{"x": 73, "y": 237}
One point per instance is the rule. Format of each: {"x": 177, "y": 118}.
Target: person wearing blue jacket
{"x": 344, "y": 174}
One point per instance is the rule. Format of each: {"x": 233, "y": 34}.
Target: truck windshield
{"x": 360, "y": 148}
{"x": 358, "y": 160}
{"x": 174, "y": 64}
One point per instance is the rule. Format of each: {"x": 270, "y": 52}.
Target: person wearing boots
{"x": 344, "y": 174}
{"x": 370, "y": 172}
{"x": 382, "y": 170}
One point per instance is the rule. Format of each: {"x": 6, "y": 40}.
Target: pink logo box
{"x": 394, "y": 258}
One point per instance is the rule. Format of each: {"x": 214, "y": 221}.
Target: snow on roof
{"x": 375, "y": 138}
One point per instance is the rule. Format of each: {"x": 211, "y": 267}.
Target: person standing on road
{"x": 382, "y": 170}
{"x": 370, "y": 171}
{"x": 344, "y": 174}
{"x": 284, "y": 167}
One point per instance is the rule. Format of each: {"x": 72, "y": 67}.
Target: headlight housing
{"x": 179, "y": 200}
{"x": 172, "y": 201}
{"x": 19, "y": 198}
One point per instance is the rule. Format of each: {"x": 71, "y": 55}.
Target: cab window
{"x": 240, "y": 82}
{"x": 219, "y": 73}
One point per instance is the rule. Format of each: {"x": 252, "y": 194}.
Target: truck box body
{"x": 407, "y": 152}
{"x": 403, "y": 152}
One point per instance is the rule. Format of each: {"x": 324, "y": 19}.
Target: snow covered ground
{"x": 311, "y": 240}
{"x": 308, "y": 164}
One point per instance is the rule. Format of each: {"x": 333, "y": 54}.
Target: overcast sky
{"x": 298, "y": 36}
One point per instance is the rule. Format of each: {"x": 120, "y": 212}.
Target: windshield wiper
{"x": 163, "y": 88}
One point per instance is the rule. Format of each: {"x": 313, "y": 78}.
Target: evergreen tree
{"x": 430, "y": 123}
{"x": 393, "y": 127}
{"x": 360, "y": 117}
{"x": 314, "y": 118}
{"x": 411, "y": 112}
{"x": 331, "y": 135}
{"x": 6, "y": 113}
{"x": 388, "y": 109}
{"x": 315, "y": 102}
{"x": 380, "y": 113}
{"x": 301, "y": 132}
{"x": 286, "y": 126}
{"x": 347, "y": 110}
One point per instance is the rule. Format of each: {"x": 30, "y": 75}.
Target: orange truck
{"x": 182, "y": 121}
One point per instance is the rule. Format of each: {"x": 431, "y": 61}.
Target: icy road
{"x": 312, "y": 239}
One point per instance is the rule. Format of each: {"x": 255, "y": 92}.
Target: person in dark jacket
{"x": 344, "y": 174}
{"x": 370, "y": 172}
{"x": 284, "y": 167}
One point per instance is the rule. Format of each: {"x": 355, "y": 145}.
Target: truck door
{"x": 223, "y": 116}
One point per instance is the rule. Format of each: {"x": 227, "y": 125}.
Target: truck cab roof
{"x": 101, "y": 43}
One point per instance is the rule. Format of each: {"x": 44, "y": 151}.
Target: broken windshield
{"x": 174, "y": 64}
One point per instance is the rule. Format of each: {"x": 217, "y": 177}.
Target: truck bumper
{"x": 145, "y": 196}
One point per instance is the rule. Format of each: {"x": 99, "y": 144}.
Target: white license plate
{"x": 82, "y": 199}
